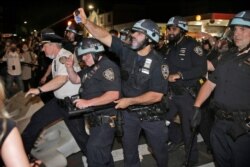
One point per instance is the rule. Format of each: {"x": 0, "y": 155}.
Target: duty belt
{"x": 181, "y": 90}
{"x": 97, "y": 120}
{"x": 231, "y": 116}
{"x": 152, "y": 112}
{"x": 240, "y": 122}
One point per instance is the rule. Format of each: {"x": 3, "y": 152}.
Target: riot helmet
{"x": 149, "y": 28}
{"x": 241, "y": 19}
{"x": 75, "y": 28}
{"x": 89, "y": 45}
{"x": 178, "y": 21}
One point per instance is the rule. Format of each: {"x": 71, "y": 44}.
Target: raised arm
{"x": 96, "y": 31}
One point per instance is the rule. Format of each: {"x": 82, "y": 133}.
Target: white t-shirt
{"x": 13, "y": 63}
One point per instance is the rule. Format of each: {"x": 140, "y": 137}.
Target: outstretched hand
{"x": 32, "y": 92}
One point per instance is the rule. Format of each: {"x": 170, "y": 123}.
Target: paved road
{"x": 176, "y": 158}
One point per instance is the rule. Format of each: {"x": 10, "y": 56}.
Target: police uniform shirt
{"x": 140, "y": 74}
{"x": 58, "y": 68}
{"x": 232, "y": 79}
{"x": 186, "y": 57}
{"x": 102, "y": 77}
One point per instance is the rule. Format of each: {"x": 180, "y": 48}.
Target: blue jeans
{"x": 9, "y": 83}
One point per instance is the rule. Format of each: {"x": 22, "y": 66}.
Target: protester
{"x": 11, "y": 145}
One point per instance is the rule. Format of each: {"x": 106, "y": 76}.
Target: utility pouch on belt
{"x": 237, "y": 129}
{"x": 241, "y": 122}
{"x": 101, "y": 119}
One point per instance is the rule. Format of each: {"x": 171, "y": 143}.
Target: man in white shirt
{"x": 55, "y": 109}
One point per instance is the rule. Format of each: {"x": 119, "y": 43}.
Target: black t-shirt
{"x": 232, "y": 79}
{"x": 140, "y": 74}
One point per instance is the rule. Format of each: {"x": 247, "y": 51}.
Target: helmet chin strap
{"x": 95, "y": 57}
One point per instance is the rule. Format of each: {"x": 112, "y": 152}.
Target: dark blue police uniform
{"x": 95, "y": 81}
{"x": 230, "y": 135}
{"x": 185, "y": 57}
{"x": 141, "y": 74}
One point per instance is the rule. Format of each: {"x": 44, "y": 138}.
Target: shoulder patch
{"x": 165, "y": 71}
{"x": 63, "y": 59}
{"x": 109, "y": 74}
{"x": 198, "y": 50}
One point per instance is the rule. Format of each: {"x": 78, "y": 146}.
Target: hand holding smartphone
{"x": 77, "y": 18}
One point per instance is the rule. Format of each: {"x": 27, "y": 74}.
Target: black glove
{"x": 196, "y": 120}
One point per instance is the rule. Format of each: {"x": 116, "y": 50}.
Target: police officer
{"x": 73, "y": 35}
{"x": 54, "y": 109}
{"x": 144, "y": 82}
{"x": 100, "y": 84}
{"x": 230, "y": 135}
{"x": 186, "y": 66}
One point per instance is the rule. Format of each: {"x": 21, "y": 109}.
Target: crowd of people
{"x": 170, "y": 87}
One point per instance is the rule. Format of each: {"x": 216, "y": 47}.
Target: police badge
{"x": 198, "y": 50}
{"x": 63, "y": 59}
{"x": 109, "y": 74}
{"x": 165, "y": 71}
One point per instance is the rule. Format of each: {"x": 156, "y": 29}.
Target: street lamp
{"x": 90, "y": 7}
{"x": 69, "y": 23}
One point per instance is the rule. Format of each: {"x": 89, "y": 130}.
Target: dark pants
{"x": 48, "y": 114}
{"x": 9, "y": 83}
{"x": 227, "y": 152}
{"x": 156, "y": 133}
{"x": 207, "y": 120}
{"x": 99, "y": 146}
{"x": 183, "y": 105}
{"x": 26, "y": 84}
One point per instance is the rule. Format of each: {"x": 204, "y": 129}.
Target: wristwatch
{"x": 40, "y": 90}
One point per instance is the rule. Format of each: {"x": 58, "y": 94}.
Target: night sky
{"x": 41, "y": 14}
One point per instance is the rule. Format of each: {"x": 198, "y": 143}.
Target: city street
{"x": 176, "y": 158}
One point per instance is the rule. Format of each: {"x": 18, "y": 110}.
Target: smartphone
{"x": 77, "y": 17}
